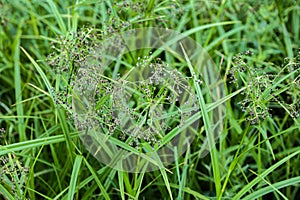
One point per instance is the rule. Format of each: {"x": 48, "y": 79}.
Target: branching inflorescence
{"x": 264, "y": 89}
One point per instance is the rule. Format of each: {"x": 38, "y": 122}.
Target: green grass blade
{"x": 33, "y": 143}
{"x": 74, "y": 177}
{"x": 58, "y": 17}
{"x": 224, "y": 36}
{"x": 183, "y": 180}
{"x": 207, "y": 126}
{"x": 162, "y": 170}
{"x": 264, "y": 134}
{"x": 66, "y": 132}
{"x": 268, "y": 189}
{"x": 187, "y": 190}
{"x": 42, "y": 195}
{"x": 121, "y": 184}
{"x": 39, "y": 69}
{"x": 5, "y": 193}
{"x": 248, "y": 187}
{"x": 17, "y": 81}
{"x": 94, "y": 175}
{"x": 273, "y": 188}
{"x": 139, "y": 182}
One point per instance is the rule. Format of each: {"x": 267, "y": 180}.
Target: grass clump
{"x": 53, "y": 92}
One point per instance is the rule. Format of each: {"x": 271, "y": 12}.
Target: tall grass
{"x": 256, "y": 155}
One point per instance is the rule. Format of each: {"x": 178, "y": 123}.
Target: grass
{"x": 256, "y": 154}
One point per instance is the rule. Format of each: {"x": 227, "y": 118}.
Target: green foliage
{"x": 254, "y": 44}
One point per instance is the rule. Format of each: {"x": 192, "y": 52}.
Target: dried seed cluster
{"x": 13, "y": 175}
{"x": 134, "y": 111}
{"x": 2, "y": 132}
{"x": 138, "y": 11}
{"x": 136, "y": 107}
{"x": 158, "y": 91}
{"x": 81, "y": 50}
{"x": 265, "y": 89}
{"x": 71, "y": 51}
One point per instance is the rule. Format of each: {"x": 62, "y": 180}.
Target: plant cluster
{"x": 265, "y": 89}
{"x": 137, "y": 12}
{"x": 13, "y": 175}
{"x": 145, "y": 103}
{"x": 140, "y": 102}
{"x": 134, "y": 111}
{"x": 141, "y": 105}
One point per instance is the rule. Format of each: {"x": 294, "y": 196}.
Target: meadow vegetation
{"x": 255, "y": 48}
